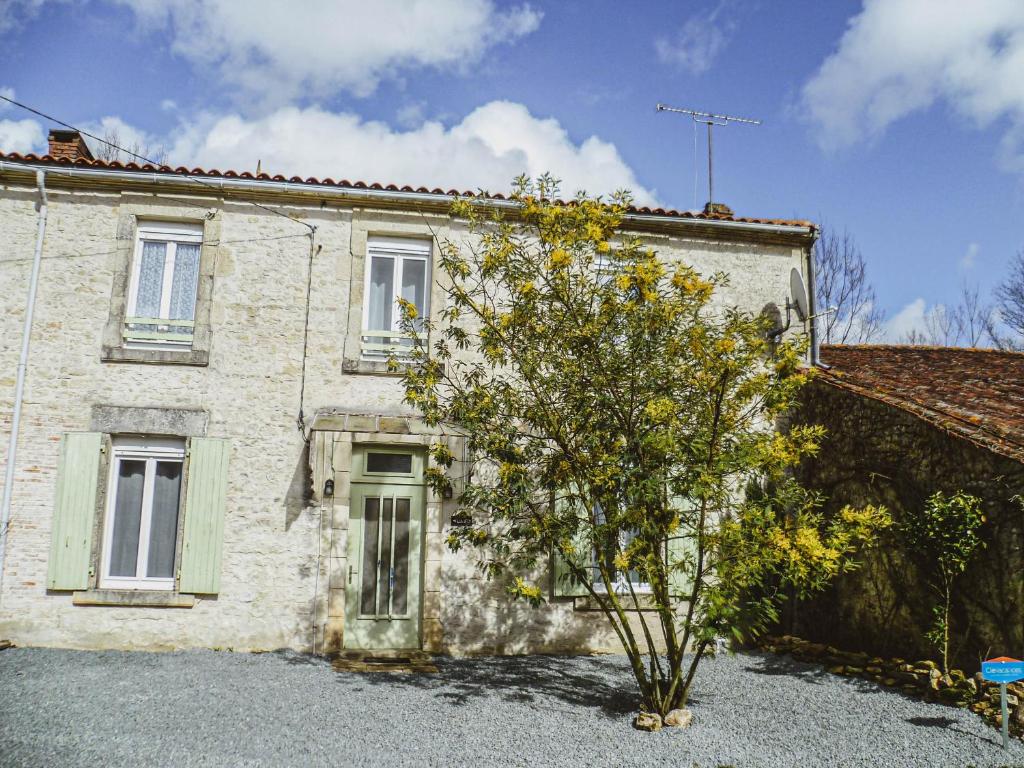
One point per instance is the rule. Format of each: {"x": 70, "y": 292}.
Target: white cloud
{"x": 901, "y": 56}
{"x": 908, "y": 320}
{"x": 276, "y": 51}
{"x": 487, "y": 149}
{"x": 970, "y": 257}
{"x": 21, "y": 136}
{"x": 412, "y": 114}
{"x": 697, "y": 43}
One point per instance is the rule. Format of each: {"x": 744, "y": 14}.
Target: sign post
{"x": 1003, "y": 670}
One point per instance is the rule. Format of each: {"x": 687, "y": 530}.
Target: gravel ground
{"x": 206, "y": 708}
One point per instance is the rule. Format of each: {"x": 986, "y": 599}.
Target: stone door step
{"x": 384, "y": 661}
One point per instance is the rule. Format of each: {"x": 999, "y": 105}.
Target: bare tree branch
{"x": 942, "y": 326}
{"x": 968, "y": 323}
{"x": 1007, "y": 322}
{"x": 973, "y": 316}
{"x": 112, "y": 150}
{"x": 842, "y": 283}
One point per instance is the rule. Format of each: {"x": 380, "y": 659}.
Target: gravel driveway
{"x": 205, "y": 708}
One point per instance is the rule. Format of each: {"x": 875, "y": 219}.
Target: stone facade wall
{"x": 282, "y": 575}
{"x": 874, "y": 453}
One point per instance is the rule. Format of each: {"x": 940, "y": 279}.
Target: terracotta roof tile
{"x": 345, "y": 184}
{"x": 976, "y": 394}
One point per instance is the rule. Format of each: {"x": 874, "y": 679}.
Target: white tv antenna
{"x": 710, "y": 119}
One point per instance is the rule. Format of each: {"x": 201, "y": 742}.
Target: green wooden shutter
{"x": 680, "y": 552}
{"x": 74, "y": 510}
{"x": 205, "y": 495}
{"x": 565, "y": 584}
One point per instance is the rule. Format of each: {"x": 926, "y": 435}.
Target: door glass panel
{"x": 400, "y": 589}
{"x": 124, "y": 540}
{"x": 163, "y": 524}
{"x": 396, "y": 463}
{"x": 371, "y": 529}
{"x": 384, "y": 579}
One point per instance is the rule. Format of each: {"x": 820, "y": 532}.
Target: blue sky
{"x": 899, "y": 120}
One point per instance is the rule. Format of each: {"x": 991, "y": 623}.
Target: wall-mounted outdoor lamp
{"x": 447, "y": 493}
{"x": 329, "y": 488}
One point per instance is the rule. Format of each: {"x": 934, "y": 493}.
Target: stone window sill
{"x": 373, "y": 367}
{"x": 156, "y": 356}
{"x": 134, "y": 598}
{"x": 589, "y": 604}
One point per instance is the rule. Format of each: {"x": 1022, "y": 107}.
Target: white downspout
{"x": 812, "y": 303}
{"x": 19, "y": 387}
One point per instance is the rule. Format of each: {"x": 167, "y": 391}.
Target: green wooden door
{"x": 383, "y": 588}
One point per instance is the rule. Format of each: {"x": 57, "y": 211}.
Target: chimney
{"x": 69, "y": 144}
{"x": 718, "y": 209}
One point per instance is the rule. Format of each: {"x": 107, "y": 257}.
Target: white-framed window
{"x": 140, "y": 531}
{"x": 622, "y": 579}
{"x": 396, "y": 268}
{"x": 604, "y": 269}
{"x": 164, "y": 282}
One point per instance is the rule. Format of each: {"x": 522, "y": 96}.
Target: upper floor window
{"x": 162, "y": 293}
{"x": 396, "y": 268}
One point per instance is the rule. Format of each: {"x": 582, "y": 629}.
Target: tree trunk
{"x": 945, "y": 634}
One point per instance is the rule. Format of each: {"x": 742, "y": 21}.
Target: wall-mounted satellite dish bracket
{"x": 797, "y": 302}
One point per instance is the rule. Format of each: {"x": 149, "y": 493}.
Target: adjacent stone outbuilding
{"x": 904, "y": 422}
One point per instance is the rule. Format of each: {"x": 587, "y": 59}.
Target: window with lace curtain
{"x": 162, "y": 293}
{"x": 397, "y": 268}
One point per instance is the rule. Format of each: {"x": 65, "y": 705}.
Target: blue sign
{"x": 1003, "y": 670}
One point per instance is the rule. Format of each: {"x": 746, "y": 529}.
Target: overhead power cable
{"x": 136, "y": 155}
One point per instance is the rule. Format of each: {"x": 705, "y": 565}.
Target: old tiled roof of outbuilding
{"x": 974, "y": 394}
{"x": 201, "y": 173}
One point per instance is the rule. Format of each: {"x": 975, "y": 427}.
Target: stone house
{"x": 904, "y": 422}
{"x": 210, "y": 445}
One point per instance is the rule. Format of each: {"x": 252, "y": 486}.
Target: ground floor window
{"x": 622, "y": 580}
{"x": 141, "y": 526}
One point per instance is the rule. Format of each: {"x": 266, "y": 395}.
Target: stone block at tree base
{"x": 647, "y": 721}
{"x": 679, "y": 718}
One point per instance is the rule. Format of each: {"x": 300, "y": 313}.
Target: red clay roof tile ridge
{"x": 312, "y": 180}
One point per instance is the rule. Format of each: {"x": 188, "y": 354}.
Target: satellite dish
{"x": 796, "y": 287}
